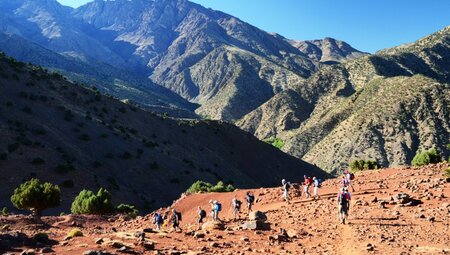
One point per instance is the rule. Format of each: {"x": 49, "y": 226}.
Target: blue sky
{"x": 366, "y": 25}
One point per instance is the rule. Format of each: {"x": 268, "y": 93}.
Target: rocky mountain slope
{"x": 327, "y": 50}
{"x": 108, "y": 79}
{"x": 78, "y": 138}
{"x": 384, "y": 107}
{"x": 394, "y": 211}
{"x": 208, "y": 57}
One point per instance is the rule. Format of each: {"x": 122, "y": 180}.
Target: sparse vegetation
{"x": 360, "y": 164}
{"x": 74, "y": 233}
{"x": 87, "y": 202}
{"x": 129, "y": 210}
{"x": 275, "y": 142}
{"x": 447, "y": 172}
{"x": 4, "y": 211}
{"x": 430, "y": 156}
{"x": 36, "y": 196}
{"x": 201, "y": 186}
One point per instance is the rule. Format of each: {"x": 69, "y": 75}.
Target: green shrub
{"x": 430, "y": 156}
{"x": 275, "y": 142}
{"x": 201, "y": 186}
{"x": 4, "y": 211}
{"x": 447, "y": 172}
{"x": 129, "y": 210}
{"x": 360, "y": 164}
{"x": 74, "y": 232}
{"x": 87, "y": 202}
{"x": 36, "y": 196}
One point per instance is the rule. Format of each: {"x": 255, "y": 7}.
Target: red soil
{"x": 389, "y": 229}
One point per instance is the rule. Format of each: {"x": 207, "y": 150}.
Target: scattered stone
{"x": 199, "y": 235}
{"x": 245, "y": 239}
{"x": 431, "y": 219}
{"x": 214, "y": 244}
{"x": 99, "y": 241}
{"x": 213, "y": 225}
{"x": 28, "y": 252}
{"x": 257, "y": 215}
{"x": 255, "y": 225}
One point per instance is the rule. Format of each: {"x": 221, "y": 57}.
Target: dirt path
{"x": 347, "y": 244}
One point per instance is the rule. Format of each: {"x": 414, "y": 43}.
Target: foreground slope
{"x": 69, "y": 135}
{"x": 385, "y": 107}
{"x": 379, "y": 224}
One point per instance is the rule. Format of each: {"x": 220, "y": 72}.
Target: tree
{"x": 36, "y": 196}
{"x": 87, "y": 202}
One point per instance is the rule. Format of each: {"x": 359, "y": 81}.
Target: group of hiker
{"x": 343, "y": 199}
{"x": 343, "y": 196}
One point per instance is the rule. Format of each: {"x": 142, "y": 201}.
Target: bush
{"x": 447, "y": 172}
{"x": 3, "y": 211}
{"x": 36, "y": 196}
{"x": 360, "y": 164}
{"x": 430, "y": 156}
{"x": 74, "y": 232}
{"x": 200, "y": 186}
{"x": 129, "y": 210}
{"x": 275, "y": 142}
{"x": 87, "y": 202}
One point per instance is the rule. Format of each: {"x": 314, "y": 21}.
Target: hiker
{"x": 343, "y": 199}
{"x": 211, "y": 202}
{"x": 201, "y": 215}
{"x": 176, "y": 218}
{"x": 344, "y": 181}
{"x": 307, "y": 183}
{"x": 158, "y": 220}
{"x": 316, "y": 185}
{"x": 216, "y": 210}
{"x": 236, "y": 205}
{"x": 250, "y": 200}
{"x": 286, "y": 185}
{"x": 349, "y": 176}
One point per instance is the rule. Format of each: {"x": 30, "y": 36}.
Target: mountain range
{"x": 385, "y": 107}
{"x": 209, "y": 58}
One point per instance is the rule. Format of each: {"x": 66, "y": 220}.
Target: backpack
{"x": 218, "y": 207}
{"x": 238, "y": 204}
{"x": 250, "y": 198}
{"x": 343, "y": 199}
{"x": 202, "y": 213}
{"x": 352, "y": 176}
{"x": 178, "y": 215}
{"x": 287, "y": 186}
{"x": 159, "y": 219}
{"x": 319, "y": 183}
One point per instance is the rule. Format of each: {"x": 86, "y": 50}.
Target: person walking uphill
{"x": 217, "y": 207}
{"x": 201, "y": 215}
{"x": 236, "y": 205}
{"x": 250, "y": 200}
{"x": 350, "y": 177}
{"x": 307, "y": 183}
{"x": 158, "y": 220}
{"x": 316, "y": 185}
{"x": 343, "y": 199}
{"x": 286, "y": 185}
{"x": 176, "y": 218}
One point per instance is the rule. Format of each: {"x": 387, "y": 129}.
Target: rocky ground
{"x": 393, "y": 211}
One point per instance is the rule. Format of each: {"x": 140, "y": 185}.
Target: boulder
{"x": 257, "y": 215}
{"x": 213, "y": 225}
{"x": 255, "y": 225}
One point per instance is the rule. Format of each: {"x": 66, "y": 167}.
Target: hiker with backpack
{"x": 306, "y": 184}
{"x": 158, "y": 220}
{"x": 343, "y": 199}
{"x": 176, "y": 218}
{"x": 286, "y": 185}
{"x": 316, "y": 184}
{"x": 201, "y": 215}
{"x": 216, "y": 210}
{"x": 236, "y": 205}
{"x": 250, "y": 197}
{"x": 350, "y": 177}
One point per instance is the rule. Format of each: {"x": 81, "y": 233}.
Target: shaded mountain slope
{"x": 78, "y": 138}
{"x": 385, "y": 107}
{"x": 108, "y": 79}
